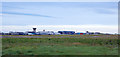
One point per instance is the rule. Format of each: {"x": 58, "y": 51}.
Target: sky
{"x": 59, "y": 0}
{"x": 76, "y": 16}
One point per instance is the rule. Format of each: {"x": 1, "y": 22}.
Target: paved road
{"x": 62, "y": 36}
{"x": 39, "y": 37}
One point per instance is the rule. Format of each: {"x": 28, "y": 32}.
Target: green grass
{"x": 60, "y": 46}
{"x": 60, "y": 50}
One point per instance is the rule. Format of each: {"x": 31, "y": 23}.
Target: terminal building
{"x": 66, "y": 32}
{"x": 44, "y": 32}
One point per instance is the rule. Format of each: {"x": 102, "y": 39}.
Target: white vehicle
{"x": 46, "y": 32}
{"x": 56, "y": 33}
{"x": 30, "y": 34}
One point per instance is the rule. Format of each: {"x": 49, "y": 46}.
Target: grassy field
{"x": 61, "y": 45}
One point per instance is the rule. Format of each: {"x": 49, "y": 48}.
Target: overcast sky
{"x": 79, "y": 14}
{"x": 59, "y": 0}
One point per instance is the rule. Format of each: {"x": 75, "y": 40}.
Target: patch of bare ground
{"x": 77, "y": 43}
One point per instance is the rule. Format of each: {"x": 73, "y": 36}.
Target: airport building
{"x": 44, "y": 32}
{"x": 66, "y": 32}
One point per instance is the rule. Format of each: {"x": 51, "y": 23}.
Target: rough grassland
{"x": 61, "y": 45}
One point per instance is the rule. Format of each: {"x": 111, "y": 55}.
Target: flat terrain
{"x": 62, "y": 36}
{"x": 60, "y": 45}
